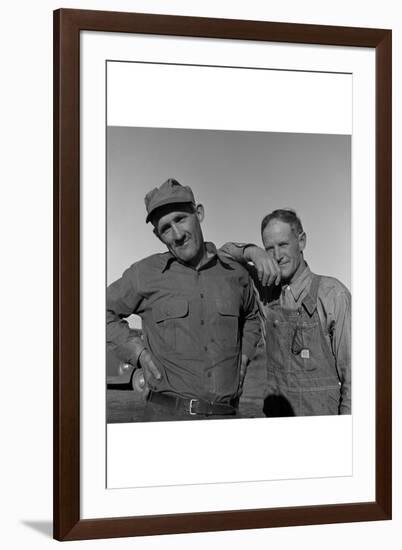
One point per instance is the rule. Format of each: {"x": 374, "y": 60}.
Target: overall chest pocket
{"x": 305, "y": 344}
{"x": 304, "y": 334}
{"x": 172, "y": 323}
{"x": 227, "y": 323}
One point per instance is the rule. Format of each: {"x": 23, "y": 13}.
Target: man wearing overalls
{"x": 307, "y": 320}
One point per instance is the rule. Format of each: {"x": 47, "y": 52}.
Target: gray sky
{"x": 239, "y": 177}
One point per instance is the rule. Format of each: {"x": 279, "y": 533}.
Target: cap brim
{"x": 164, "y": 203}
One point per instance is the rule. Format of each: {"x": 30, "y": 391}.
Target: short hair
{"x": 286, "y": 215}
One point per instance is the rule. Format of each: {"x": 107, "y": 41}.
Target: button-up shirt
{"x": 334, "y": 311}
{"x": 196, "y": 322}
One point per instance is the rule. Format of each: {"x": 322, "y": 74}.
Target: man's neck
{"x": 297, "y": 273}
{"x": 201, "y": 258}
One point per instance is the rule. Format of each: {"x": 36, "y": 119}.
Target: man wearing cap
{"x": 199, "y": 315}
{"x": 307, "y": 323}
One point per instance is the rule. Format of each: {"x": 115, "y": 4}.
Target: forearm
{"x": 125, "y": 343}
{"x": 342, "y": 349}
{"x": 237, "y": 251}
{"x": 344, "y": 373}
{"x": 123, "y": 298}
{"x": 344, "y": 370}
{"x": 266, "y": 269}
{"x": 346, "y": 399}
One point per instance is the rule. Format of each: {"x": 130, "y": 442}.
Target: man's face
{"x": 285, "y": 247}
{"x": 179, "y": 228}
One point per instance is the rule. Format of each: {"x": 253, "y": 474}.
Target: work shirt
{"x": 196, "y": 322}
{"x": 333, "y": 305}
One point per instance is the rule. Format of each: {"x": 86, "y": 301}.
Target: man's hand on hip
{"x": 150, "y": 372}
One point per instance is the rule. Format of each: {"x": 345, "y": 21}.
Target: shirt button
{"x": 202, "y": 295}
{"x": 209, "y": 375}
{"x": 202, "y": 322}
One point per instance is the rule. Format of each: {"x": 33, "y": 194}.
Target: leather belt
{"x": 191, "y": 406}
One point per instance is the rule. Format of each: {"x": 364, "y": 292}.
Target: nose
{"x": 177, "y": 232}
{"x": 277, "y": 253}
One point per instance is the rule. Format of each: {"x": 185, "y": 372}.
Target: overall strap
{"x": 310, "y": 301}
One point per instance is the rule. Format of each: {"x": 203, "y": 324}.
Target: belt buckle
{"x": 191, "y": 406}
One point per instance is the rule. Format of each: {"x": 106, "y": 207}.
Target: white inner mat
{"x": 230, "y": 464}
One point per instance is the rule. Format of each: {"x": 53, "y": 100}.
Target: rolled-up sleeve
{"x": 235, "y": 251}
{"x": 123, "y": 297}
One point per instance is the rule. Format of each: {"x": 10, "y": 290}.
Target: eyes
{"x": 282, "y": 246}
{"x": 166, "y": 227}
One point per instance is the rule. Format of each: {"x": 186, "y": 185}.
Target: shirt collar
{"x": 297, "y": 286}
{"x": 168, "y": 258}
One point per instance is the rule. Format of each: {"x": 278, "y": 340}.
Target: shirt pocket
{"x": 171, "y": 320}
{"x": 227, "y": 334}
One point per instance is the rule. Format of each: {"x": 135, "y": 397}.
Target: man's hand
{"x": 149, "y": 370}
{"x": 267, "y": 267}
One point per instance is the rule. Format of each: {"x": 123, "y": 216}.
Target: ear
{"x": 302, "y": 241}
{"x": 199, "y": 210}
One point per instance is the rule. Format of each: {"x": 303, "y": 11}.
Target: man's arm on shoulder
{"x": 267, "y": 269}
{"x": 235, "y": 251}
{"x": 123, "y": 297}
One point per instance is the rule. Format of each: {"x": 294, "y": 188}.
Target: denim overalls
{"x": 302, "y": 373}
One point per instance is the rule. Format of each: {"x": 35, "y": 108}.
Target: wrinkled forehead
{"x": 277, "y": 230}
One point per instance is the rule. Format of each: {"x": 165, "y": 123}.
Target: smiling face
{"x": 281, "y": 242}
{"x": 178, "y": 226}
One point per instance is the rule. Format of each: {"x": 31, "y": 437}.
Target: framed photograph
{"x": 230, "y": 138}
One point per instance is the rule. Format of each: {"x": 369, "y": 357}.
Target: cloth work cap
{"x": 170, "y": 192}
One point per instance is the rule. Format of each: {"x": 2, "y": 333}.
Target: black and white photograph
{"x": 229, "y": 274}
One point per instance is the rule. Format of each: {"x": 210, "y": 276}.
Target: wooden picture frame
{"x": 68, "y": 24}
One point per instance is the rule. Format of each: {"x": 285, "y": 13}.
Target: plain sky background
{"x": 26, "y": 277}
{"x": 239, "y": 177}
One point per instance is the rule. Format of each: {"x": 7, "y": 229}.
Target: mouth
{"x": 182, "y": 245}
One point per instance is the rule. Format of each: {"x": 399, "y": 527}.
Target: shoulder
{"x": 153, "y": 263}
{"x": 234, "y": 268}
{"x": 334, "y": 296}
{"x": 332, "y": 285}
{"x": 155, "y": 260}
